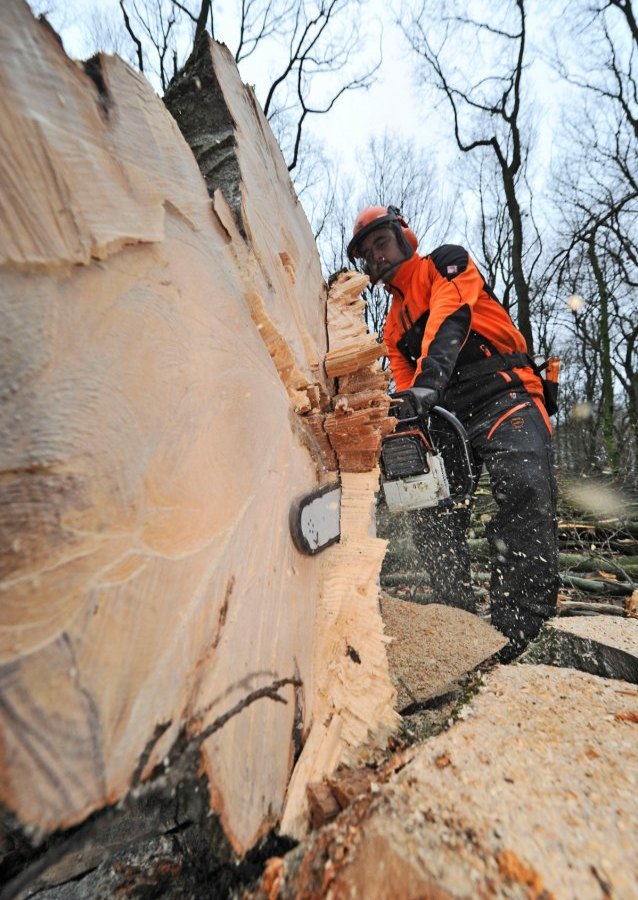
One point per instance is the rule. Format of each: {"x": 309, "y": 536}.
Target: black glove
{"x": 423, "y": 398}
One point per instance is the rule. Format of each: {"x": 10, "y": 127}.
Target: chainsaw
{"x": 412, "y": 469}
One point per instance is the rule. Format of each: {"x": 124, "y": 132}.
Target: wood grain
{"x": 162, "y": 402}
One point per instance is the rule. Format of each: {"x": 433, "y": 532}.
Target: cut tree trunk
{"x": 432, "y": 647}
{"x": 163, "y": 401}
{"x": 599, "y": 645}
{"x": 530, "y": 794}
{"x": 355, "y": 689}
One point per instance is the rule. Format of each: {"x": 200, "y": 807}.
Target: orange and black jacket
{"x": 445, "y": 317}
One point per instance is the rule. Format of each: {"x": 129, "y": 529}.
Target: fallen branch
{"x": 573, "y": 607}
{"x": 613, "y": 588}
{"x": 626, "y": 566}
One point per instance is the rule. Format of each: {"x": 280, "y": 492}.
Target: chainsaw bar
{"x": 315, "y": 519}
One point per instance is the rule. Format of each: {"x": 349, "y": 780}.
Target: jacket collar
{"x": 401, "y": 281}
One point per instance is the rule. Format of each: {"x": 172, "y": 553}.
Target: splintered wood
{"x": 360, "y": 419}
{"x": 327, "y": 798}
{"x": 353, "y": 699}
{"x": 352, "y": 349}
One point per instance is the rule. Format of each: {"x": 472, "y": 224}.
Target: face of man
{"x": 382, "y": 254}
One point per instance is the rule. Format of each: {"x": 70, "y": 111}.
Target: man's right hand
{"x": 424, "y": 399}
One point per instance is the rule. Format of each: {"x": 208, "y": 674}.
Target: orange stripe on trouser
{"x": 543, "y": 412}
{"x": 510, "y": 412}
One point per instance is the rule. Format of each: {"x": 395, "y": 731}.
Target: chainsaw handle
{"x": 461, "y": 433}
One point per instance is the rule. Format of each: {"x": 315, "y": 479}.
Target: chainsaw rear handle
{"x": 469, "y": 481}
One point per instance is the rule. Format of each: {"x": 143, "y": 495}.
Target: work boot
{"x": 519, "y": 625}
{"x": 462, "y": 601}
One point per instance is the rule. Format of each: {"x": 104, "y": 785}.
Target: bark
{"x": 606, "y": 646}
{"x": 575, "y": 607}
{"x": 614, "y": 588}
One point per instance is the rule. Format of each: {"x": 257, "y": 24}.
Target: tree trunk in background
{"x": 521, "y": 287}
{"x": 607, "y": 398}
{"x": 163, "y": 403}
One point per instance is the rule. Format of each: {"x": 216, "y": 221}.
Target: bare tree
{"x": 103, "y": 29}
{"x": 398, "y": 174}
{"x": 484, "y": 92}
{"x": 494, "y": 232}
{"x": 392, "y": 171}
{"x": 588, "y": 354}
{"x": 598, "y": 263}
{"x": 597, "y": 196}
{"x": 152, "y": 27}
{"x": 323, "y": 40}
{"x": 608, "y": 31}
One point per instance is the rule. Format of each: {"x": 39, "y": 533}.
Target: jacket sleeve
{"x": 456, "y": 286}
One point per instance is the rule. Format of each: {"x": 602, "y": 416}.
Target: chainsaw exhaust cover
{"x": 419, "y": 491}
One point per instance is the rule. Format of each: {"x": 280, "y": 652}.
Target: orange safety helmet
{"x": 373, "y": 217}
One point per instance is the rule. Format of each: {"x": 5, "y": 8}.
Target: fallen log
{"x": 600, "y": 645}
{"x": 433, "y": 646}
{"x": 521, "y": 797}
{"x": 574, "y": 607}
{"x": 592, "y": 585}
{"x": 163, "y": 401}
{"x": 625, "y": 566}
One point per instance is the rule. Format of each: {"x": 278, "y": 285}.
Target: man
{"x": 451, "y": 342}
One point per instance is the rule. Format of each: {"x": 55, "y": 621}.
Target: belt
{"x": 499, "y": 362}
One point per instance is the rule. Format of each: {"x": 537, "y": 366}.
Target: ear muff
{"x": 406, "y": 231}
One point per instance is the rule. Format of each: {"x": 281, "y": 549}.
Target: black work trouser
{"x": 508, "y": 434}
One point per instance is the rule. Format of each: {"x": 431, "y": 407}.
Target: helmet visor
{"x": 354, "y": 251}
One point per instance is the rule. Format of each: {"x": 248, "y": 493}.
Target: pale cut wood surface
{"x": 619, "y": 634}
{"x": 531, "y": 794}
{"x": 151, "y": 367}
{"x": 353, "y": 701}
{"x": 433, "y": 646}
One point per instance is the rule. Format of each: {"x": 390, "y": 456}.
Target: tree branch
{"x": 134, "y": 37}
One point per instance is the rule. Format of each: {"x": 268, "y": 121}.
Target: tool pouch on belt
{"x": 550, "y": 383}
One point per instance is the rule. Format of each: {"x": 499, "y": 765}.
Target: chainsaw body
{"x": 414, "y": 475}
